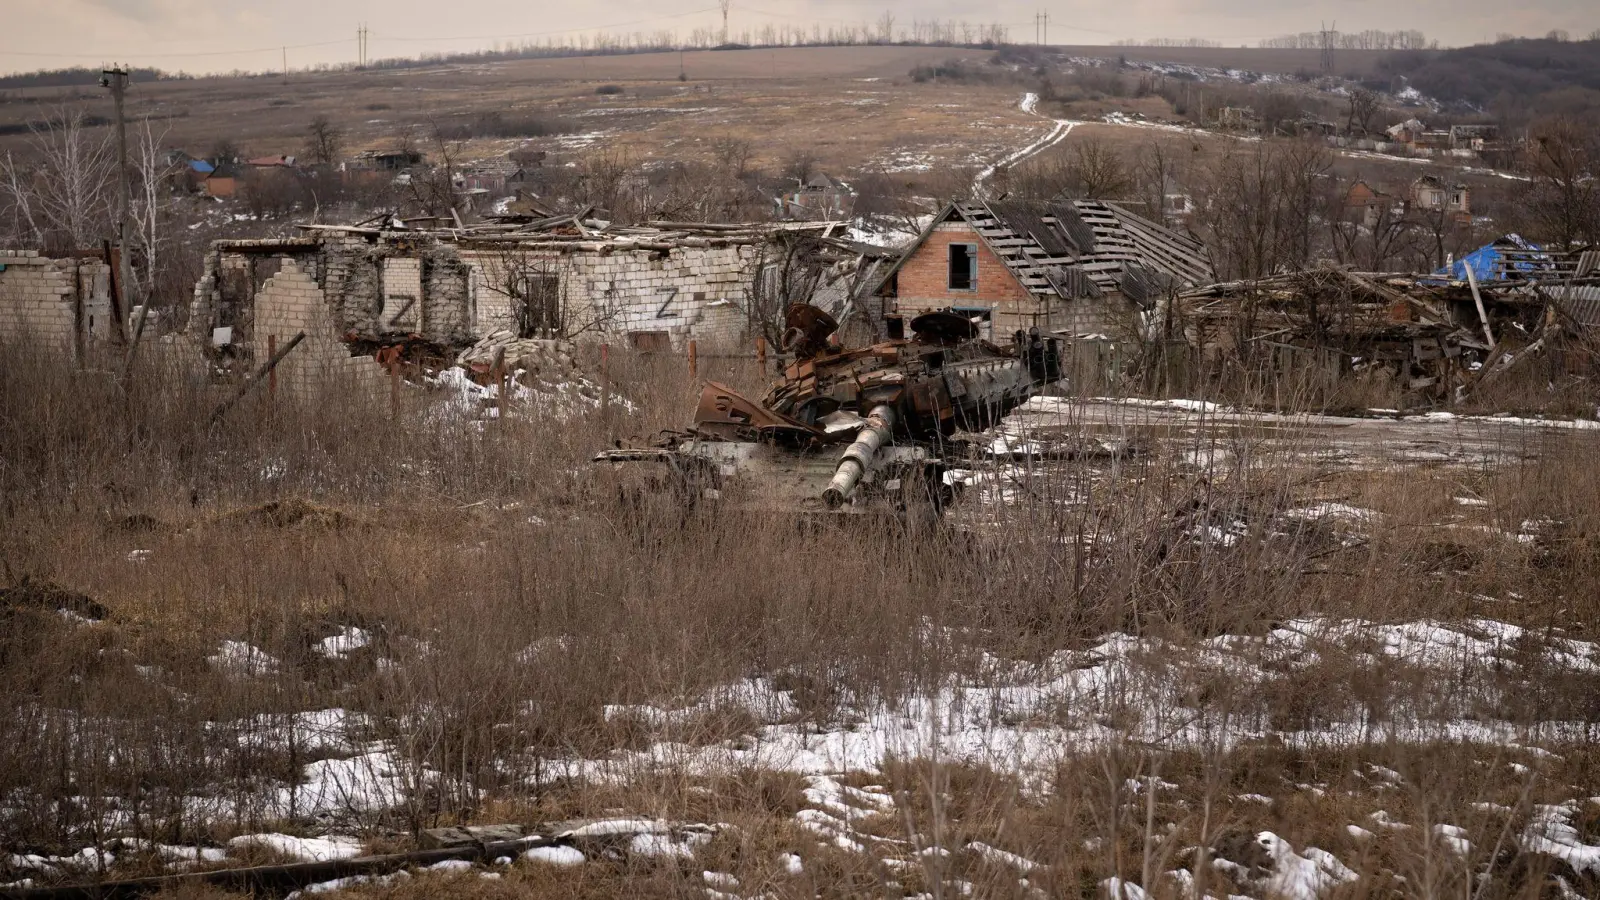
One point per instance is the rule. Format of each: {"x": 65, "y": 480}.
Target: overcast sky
{"x": 221, "y": 35}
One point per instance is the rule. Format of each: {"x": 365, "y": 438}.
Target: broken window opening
{"x": 651, "y": 341}
{"x": 538, "y": 302}
{"x": 963, "y": 267}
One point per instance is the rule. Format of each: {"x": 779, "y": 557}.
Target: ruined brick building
{"x": 1073, "y": 267}
{"x": 354, "y": 290}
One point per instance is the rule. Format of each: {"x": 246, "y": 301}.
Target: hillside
{"x": 1519, "y": 78}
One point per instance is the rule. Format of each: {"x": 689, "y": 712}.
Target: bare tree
{"x": 1092, "y": 169}
{"x": 799, "y": 164}
{"x": 733, "y": 155}
{"x": 602, "y": 181}
{"x": 225, "y": 150}
{"x": 1156, "y": 170}
{"x": 1364, "y": 104}
{"x": 1370, "y": 238}
{"x": 273, "y": 193}
{"x": 1098, "y": 171}
{"x": 1441, "y": 233}
{"x": 151, "y": 200}
{"x": 63, "y": 198}
{"x": 696, "y": 192}
{"x": 323, "y": 141}
{"x": 886, "y": 27}
{"x": 532, "y": 284}
{"x": 884, "y": 196}
{"x": 1261, "y": 206}
{"x": 786, "y": 271}
{"x": 432, "y": 188}
{"x": 1564, "y": 160}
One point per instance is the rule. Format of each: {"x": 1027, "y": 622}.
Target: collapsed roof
{"x": 1081, "y": 249}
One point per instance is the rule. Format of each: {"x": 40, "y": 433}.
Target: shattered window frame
{"x": 971, "y": 276}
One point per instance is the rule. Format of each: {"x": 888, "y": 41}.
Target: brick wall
{"x": 923, "y": 286}
{"x": 357, "y": 286}
{"x": 924, "y": 282}
{"x": 402, "y": 295}
{"x": 687, "y": 292}
{"x": 62, "y": 302}
{"x": 291, "y": 302}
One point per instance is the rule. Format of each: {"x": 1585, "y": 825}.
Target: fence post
{"x": 605, "y": 381}
{"x": 694, "y": 361}
{"x": 272, "y": 374}
{"x": 499, "y": 374}
{"x": 394, "y": 388}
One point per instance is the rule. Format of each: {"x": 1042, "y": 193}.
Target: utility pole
{"x": 1046, "y": 40}
{"x": 116, "y": 79}
{"x": 285, "y": 65}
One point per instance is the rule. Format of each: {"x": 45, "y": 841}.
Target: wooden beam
{"x": 253, "y": 380}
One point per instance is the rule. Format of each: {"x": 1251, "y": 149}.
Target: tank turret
{"x": 856, "y": 430}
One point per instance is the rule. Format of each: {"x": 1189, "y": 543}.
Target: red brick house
{"x": 1074, "y": 267}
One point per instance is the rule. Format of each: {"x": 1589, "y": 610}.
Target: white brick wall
{"x": 689, "y": 292}
{"x": 291, "y": 302}
{"x": 40, "y": 299}
{"x": 402, "y": 285}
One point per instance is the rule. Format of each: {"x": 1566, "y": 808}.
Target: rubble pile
{"x": 545, "y": 360}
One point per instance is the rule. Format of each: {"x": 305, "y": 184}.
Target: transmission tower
{"x": 1330, "y": 37}
{"x": 726, "y": 6}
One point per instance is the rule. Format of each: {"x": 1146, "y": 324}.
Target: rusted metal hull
{"x": 850, "y": 431}
{"x": 764, "y": 476}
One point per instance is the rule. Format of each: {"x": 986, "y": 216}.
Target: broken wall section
{"x": 373, "y": 290}
{"x": 655, "y": 298}
{"x": 292, "y": 301}
{"x": 62, "y": 302}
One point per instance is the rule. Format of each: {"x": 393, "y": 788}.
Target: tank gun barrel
{"x": 874, "y": 434}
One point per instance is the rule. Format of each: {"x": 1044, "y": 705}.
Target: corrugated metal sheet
{"x": 1073, "y": 226}
{"x": 1027, "y": 222}
{"x": 1581, "y": 303}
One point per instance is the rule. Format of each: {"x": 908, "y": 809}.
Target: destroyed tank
{"x": 851, "y": 431}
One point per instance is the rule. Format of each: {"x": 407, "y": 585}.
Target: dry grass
{"x": 510, "y": 599}
{"x": 833, "y": 100}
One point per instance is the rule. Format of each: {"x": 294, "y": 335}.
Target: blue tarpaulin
{"x": 1489, "y": 262}
{"x": 201, "y": 166}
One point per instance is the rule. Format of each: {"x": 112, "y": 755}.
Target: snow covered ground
{"x": 1021, "y": 718}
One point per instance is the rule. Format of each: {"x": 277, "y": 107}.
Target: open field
{"x": 1231, "y": 658}
{"x": 853, "y": 105}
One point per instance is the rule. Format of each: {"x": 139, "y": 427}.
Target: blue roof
{"x": 1489, "y": 261}
{"x": 201, "y": 166}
